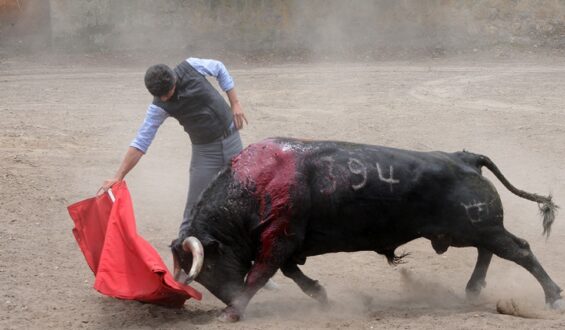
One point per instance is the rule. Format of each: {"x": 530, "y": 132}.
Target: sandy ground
{"x": 66, "y": 124}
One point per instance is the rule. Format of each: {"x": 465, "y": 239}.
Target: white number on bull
{"x": 356, "y": 167}
{"x": 390, "y": 180}
{"x": 331, "y": 184}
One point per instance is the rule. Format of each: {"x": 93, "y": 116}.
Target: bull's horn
{"x": 177, "y": 272}
{"x": 193, "y": 245}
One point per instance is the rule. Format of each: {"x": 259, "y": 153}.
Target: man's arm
{"x": 214, "y": 68}
{"x": 153, "y": 119}
{"x": 217, "y": 69}
{"x": 133, "y": 155}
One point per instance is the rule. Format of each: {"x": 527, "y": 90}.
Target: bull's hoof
{"x": 472, "y": 295}
{"x": 558, "y": 305}
{"x": 229, "y": 315}
{"x": 319, "y": 293}
{"x": 473, "y": 289}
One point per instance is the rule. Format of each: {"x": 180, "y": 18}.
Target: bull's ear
{"x": 175, "y": 244}
{"x": 213, "y": 246}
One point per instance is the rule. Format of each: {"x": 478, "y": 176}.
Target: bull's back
{"x": 350, "y": 197}
{"x": 366, "y": 197}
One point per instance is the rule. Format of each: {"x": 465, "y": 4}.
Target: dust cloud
{"x": 524, "y": 309}
{"x": 421, "y": 290}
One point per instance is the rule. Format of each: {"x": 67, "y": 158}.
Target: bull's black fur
{"x": 349, "y": 197}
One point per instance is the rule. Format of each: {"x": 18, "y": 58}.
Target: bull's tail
{"x": 547, "y": 208}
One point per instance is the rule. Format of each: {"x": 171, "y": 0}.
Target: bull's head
{"x": 219, "y": 272}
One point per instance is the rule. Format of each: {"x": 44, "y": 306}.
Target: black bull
{"x": 283, "y": 200}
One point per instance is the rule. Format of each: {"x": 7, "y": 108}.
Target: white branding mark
{"x": 475, "y": 210}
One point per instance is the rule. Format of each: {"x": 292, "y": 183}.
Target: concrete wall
{"x": 303, "y": 26}
{"x": 141, "y": 24}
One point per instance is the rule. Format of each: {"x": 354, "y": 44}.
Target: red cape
{"x": 126, "y": 265}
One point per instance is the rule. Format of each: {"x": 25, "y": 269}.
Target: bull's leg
{"x": 309, "y": 286}
{"x": 278, "y": 243}
{"x": 510, "y": 247}
{"x": 259, "y": 274}
{"x": 477, "y": 280}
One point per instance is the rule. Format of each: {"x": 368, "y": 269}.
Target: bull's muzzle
{"x": 190, "y": 244}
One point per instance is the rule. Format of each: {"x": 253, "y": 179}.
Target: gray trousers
{"x": 207, "y": 160}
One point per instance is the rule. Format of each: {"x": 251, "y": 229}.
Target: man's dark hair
{"x": 159, "y": 79}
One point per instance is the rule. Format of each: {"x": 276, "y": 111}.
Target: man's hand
{"x": 133, "y": 155}
{"x": 106, "y": 185}
{"x": 238, "y": 116}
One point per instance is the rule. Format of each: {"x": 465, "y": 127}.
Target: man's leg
{"x": 231, "y": 147}
{"x": 207, "y": 161}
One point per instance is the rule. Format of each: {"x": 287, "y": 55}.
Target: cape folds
{"x": 126, "y": 266}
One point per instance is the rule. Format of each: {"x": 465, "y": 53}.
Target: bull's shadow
{"x": 119, "y": 314}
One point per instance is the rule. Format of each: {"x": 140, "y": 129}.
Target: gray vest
{"x": 197, "y": 105}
